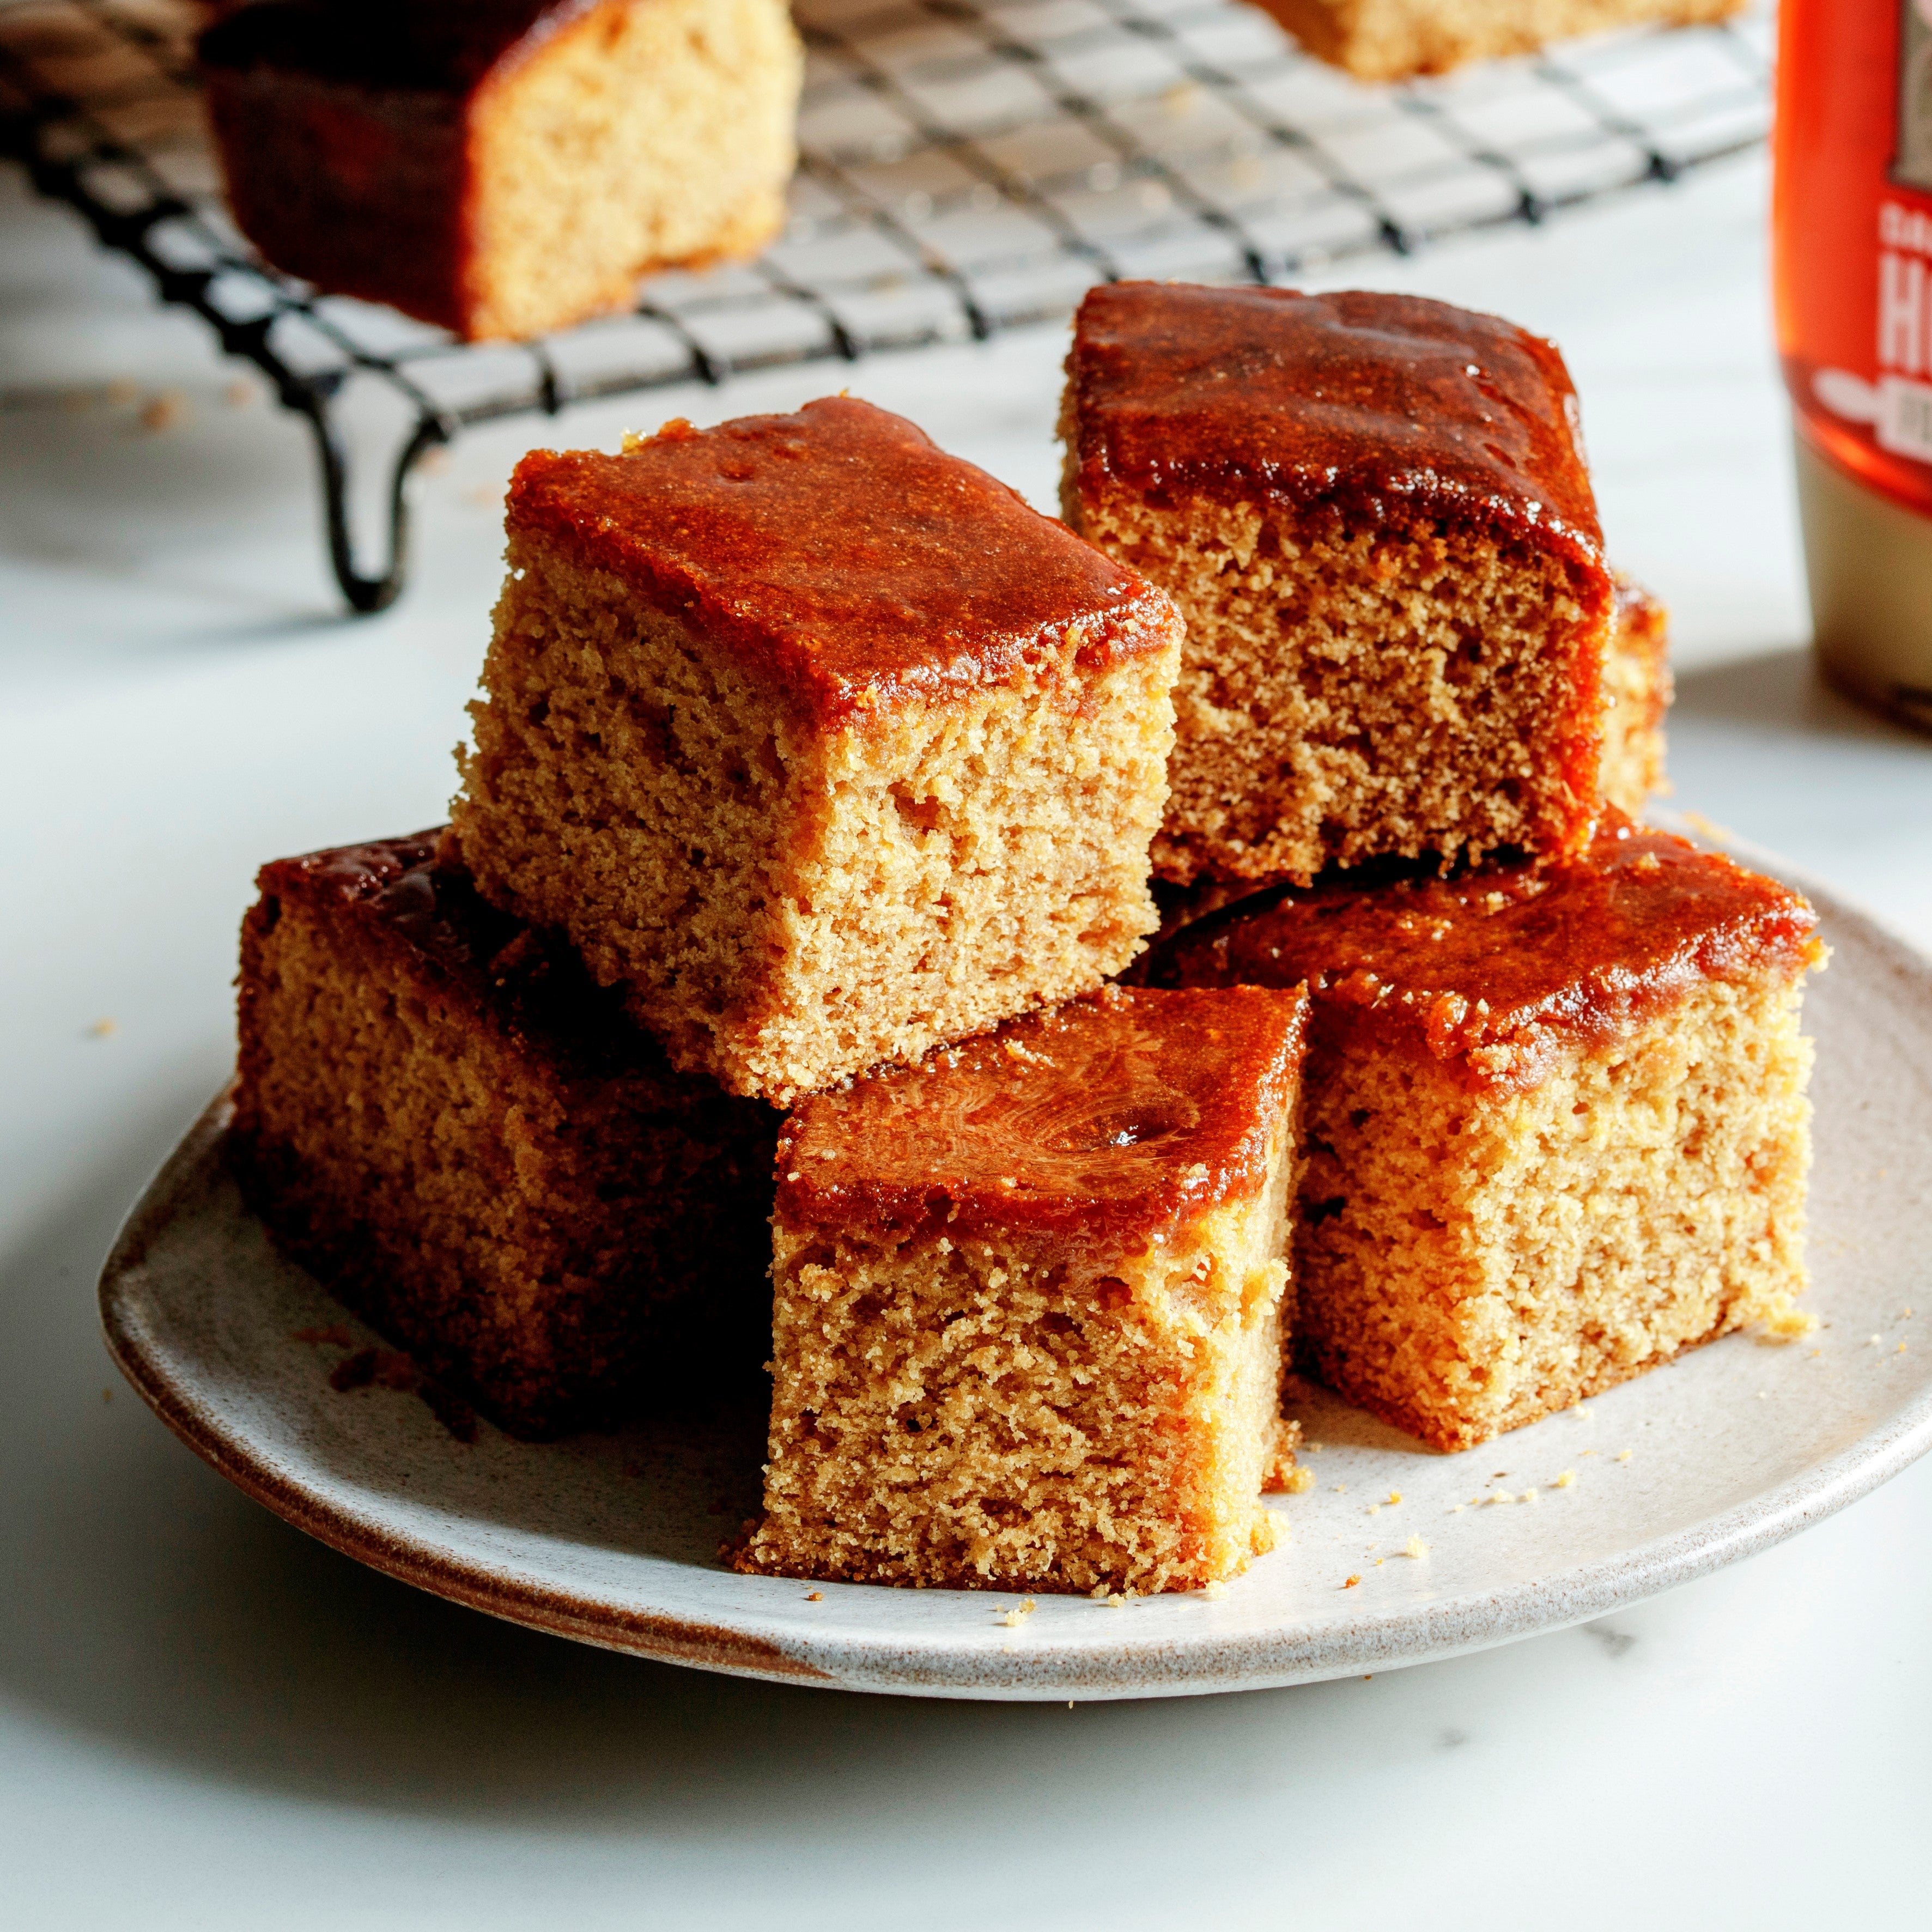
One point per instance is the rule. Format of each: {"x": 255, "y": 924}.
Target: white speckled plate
{"x": 613, "y": 1540}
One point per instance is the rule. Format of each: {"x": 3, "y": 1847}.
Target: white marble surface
{"x": 206, "y": 1721}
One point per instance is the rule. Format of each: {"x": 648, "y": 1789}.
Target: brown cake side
{"x": 1392, "y": 40}
{"x": 1373, "y": 512}
{"x": 1028, "y": 1298}
{"x": 438, "y": 1114}
{"x": 502, "y": 167}
{"x": 819, "y": 741}
{"x": 1637, "y": 689}
{"x": 1556, "y": 1123}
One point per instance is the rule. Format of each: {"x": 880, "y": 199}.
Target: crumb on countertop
{"x": 1018, "y": 1614}
{"x": 1415, "y": 1547}
{"x": 1564, "y": 1480}
{"x": 163, "y": 410}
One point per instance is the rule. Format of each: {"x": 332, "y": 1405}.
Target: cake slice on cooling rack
{"x": 438, "y": 1113}
{"x": 1028, "y": 1297}
{"x": 1391, "y": 40}
{"x": 1374, "y": 513}
{"x": 819, "y": 742}
{"x": 506, "y": 167}
{"x": 1556, "y": 1121}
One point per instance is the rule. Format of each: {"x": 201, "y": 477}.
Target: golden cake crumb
{"x": 1564, "y": 1481}
{"x": 815, "y": 1596}
{"x": 1415, "y": 1547}
{"x": 1018, "y": 1614}
{"x": 163, "y": 411}
{"x": 1299, "y": 1482}
{"x": 1786, "y": 1322}
{"x": 1623, "y": 1455}
{"x": 1348, "y": 1583}
{"x": 1215, "y": 1590}
{"x": 1394, "y": 1497}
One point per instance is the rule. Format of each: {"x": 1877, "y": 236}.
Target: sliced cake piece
{"x": 1391, "y": 40}
{"x": 818, "y": 742}
{"x": 438, "y": 1114}
{"x": 1373, "y": 510}
{"x": 1556, "y": 1123}
{"x": 1637, "y": 691}
{"x": 507, "y": 166}
{"x": 1028, "y": 1301}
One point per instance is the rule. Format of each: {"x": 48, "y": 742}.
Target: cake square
{"x": 468, "y": 1143}
{"x": 1373, "y": 511}
{"x": 1391, "y": 40}
{"x": 1637, "y": 691}
{"x": 817, "y": 741}
{"x": 1028, "y": 1303}
{"x": 506, "y": 169}
{"x": 1556, "y": 1127}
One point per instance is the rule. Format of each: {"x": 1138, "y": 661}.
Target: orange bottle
{"x": 1852, "y": 256}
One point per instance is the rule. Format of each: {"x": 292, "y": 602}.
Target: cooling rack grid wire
{"x": 966, "y": 166}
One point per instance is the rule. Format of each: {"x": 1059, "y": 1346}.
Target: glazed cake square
{"x": 1028, "y": 1298}
{"x": 817, "y": 741}
{"x": 1373, "y": 511}
{"x": 438, "y": 1114}
{"x": 1556, "y": 1126}
{"x": 505, "y": 170}
{"x": 1392, "y": 40}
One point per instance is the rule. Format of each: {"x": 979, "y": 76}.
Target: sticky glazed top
{"x": 1387, "y": 406}
{"x": 842, "y": 554}
{"x": 413, "y": 891}
{"x": 435, "y": 46}
{"x": 1114, "y": 1119}
{"x": 1495, "y": 974}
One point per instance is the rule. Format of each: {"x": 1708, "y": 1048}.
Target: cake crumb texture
{"x": 1468, "y": 1263}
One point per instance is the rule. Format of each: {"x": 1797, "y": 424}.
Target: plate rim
{"x": 1214, "y": 1661}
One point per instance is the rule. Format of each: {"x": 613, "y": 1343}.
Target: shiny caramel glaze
{"x": 439, "y": 46}
{"x": 842, "y": 554}
{"x": 529, "y": 982}
{"x": 1494, "y": 973}
{"x": 1113, "y": 1118}
{"x": 1390, "y": 407}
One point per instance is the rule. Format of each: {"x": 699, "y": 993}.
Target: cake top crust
{"x": 1495, "y": 974}
{"x": 437, "y": 46}
{"x": 529, "y": 983}
{"x": 1114, "y": 1118}
{"x": 1387, "y": 406}
{"x": 843, "y": 554}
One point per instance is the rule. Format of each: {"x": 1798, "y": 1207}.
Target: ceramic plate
{"x": 613, "y": 1540}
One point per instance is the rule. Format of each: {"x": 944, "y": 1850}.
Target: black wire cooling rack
{"x": 967, "y": 166}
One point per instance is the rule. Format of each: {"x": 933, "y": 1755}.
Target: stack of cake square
{"x": 814, "y": 770}
{"x": 1556, "y": 1124}
{"x": 806, "y": 750}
